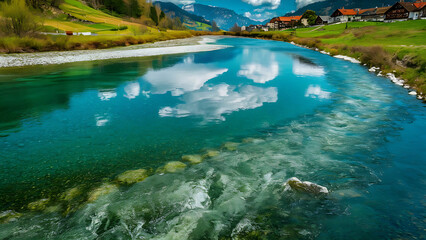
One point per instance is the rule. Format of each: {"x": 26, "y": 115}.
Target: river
{"x": 217, "y": 133}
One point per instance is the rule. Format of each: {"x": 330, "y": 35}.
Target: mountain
{"x": 225, "y": 18}
{"x": 189, "y": 20}
{"x": 327, "y": 7}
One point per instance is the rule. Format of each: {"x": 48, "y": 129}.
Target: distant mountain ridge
{"x": 187, "y": 18}
{"x": 225, "y": 18}
{"x": 327, "y": 7}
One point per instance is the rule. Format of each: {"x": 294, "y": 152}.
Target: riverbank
{"x": 391, "y": 48}
{"x": 186, "y": 45}
{"x": 45, "y": 43}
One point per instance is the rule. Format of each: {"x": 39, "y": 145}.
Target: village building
{"x": 401, "y": 11}
{"x": 284, "y": 22}
{"x": 373, "y": 14}
{"x": 345, "y": 15}
{"x": 421, "y": 6}
{"x": 322, "y": 20}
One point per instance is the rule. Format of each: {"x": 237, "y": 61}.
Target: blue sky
{"x": 254, "y": 9}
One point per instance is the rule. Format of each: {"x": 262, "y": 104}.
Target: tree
{"x": 215, "y": 28}
{"x": 235, "y": 28}
{"x": 153, "y": 15}
{"x": 162, "y": 15}
{"x": 311, "y": 16}
{"x": 134, "y": 9}
{"x": 17, "y": 19}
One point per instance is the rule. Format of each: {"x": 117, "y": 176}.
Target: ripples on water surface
{"x": 263, "y": 111}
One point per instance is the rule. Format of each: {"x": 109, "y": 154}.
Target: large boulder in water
{"x": 38, "y": 205}
{"x": 230, "y": 146}
{"x": 211, "y": 153}
{"x": 307, "y": 187}
{"x": 172, "y": 167}
{"x": 133, "y": 176}
{"x": 70, "y": 194}
{"x": 193, "y": 159}
{"x": 9, "y": 215}
{"x": 104, "y": 189}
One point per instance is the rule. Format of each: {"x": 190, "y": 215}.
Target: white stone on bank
{"x": 350, "y": 59}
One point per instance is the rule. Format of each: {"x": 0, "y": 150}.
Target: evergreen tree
{"x": 134, "y": 9}
{"x": 153, "y": 15}
{"x": 215, "y": 28}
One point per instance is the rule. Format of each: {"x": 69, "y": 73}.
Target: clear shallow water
{"x": 313, "y": 117}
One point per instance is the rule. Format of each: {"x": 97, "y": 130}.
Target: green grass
{"x": 198, "y": 26}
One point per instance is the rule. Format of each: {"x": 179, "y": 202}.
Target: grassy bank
{"x": 65, "y": 43}
{"x": 398, "y": 46}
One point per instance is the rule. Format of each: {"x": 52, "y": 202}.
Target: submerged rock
{"x": 230, "y": 146}
{"x": 193, "y": 159}
{"x": 133, "y": 176}
{"x": 38, "y": 205}
{"x": 211, "y": 153}
{"x": 104, "y": 189}
{"x": 308, "y": 187}
{"x": 52, "y": 209}
{"x": 70, "y": 194}
{"x": 9, "y": 215}
{"x": 252, "y": 140}
{"x": 172, "y": 167}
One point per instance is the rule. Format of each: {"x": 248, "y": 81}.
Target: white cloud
{"x": 302, "y": 3}
{"x": 180, "y": 2}
{"x": 181, "y": 78}
{"x": 212, "y": 103}
{"x": 258, "y": 16}
{"x": 272, "y": 4}
{"x": 315, "y": 91}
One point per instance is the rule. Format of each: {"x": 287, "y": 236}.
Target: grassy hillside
{"x": 399, "y": 46}
{"x": 87, "y": 19}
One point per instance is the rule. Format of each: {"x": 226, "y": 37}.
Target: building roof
{"x": 373, "y": 11}
{"x": 409, "y": 6}
{"x": 289, "y": 19}
{"x": 347, "y": 11}
{"x": 324, "y": 18}
{"x": 419, "y": 5}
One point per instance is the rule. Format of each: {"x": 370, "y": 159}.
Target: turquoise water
{"x": 291, "y": 112}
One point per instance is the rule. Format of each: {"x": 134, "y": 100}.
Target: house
{"x": 373, "y": 14}
{"x": 421, "y": 6}
{"x": 322, "y": 20}
{"x": 401, "y": 11}
{"x": 283, "y": 22}
{"x": 345, "y": 15}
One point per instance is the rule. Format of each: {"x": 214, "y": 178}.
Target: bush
{"x": 18, "y": 19}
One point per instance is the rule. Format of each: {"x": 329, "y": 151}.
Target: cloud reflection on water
{"x": 132, "y": 90}
{"x": 261, "y": 65}
{"x": 212, "y": 102}
{"x": 304, "y": 67}
{"x": 107, "y": 94}
{"x": 315, "y": 91}
{"x": 181, "y": 78}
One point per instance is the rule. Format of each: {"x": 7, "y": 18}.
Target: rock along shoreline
{"x": 390, "y": 76}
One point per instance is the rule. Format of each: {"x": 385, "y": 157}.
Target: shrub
{"x": 18, "y": 19}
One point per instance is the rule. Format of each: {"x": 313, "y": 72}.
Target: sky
{"x": 255, "y": 9}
